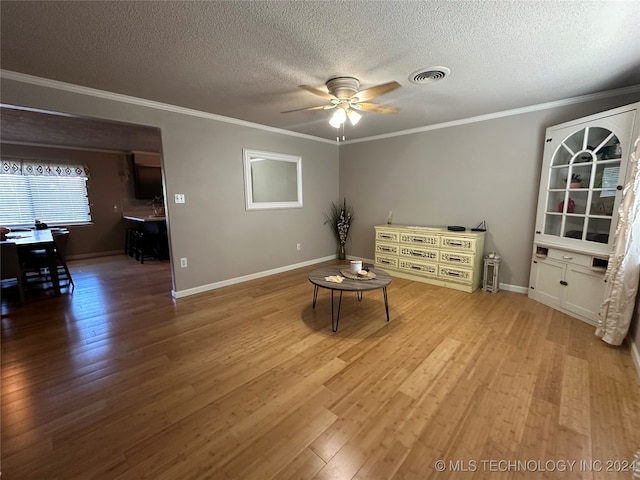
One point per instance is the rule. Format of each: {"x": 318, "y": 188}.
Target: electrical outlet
{"x": 299, "y": 246}
{"x": 183, "y": 262}
{"x": 180, "y": 198}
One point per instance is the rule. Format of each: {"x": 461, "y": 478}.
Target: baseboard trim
{"x": 253, "y": 276}
{"x": 245, "y": 278}
{"x": 514, "y": 288}
{"x": 83, "y": 256}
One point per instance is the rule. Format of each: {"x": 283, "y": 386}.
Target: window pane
{"x": 60, "y": 199}
{"x": 16, "y": 207}
{"x": 55, "y": 200}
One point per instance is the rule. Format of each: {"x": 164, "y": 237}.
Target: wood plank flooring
{"x": 118, "y": 381}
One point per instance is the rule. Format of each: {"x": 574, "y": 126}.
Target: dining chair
{"x": 61, "y": 239}
{"x": 10, "y": 266}
{"x": 36, "y": 264}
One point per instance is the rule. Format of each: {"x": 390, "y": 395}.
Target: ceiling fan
{"x": 344, "y": 96}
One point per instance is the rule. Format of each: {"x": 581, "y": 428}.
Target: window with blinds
{"x": 53, "y": 200}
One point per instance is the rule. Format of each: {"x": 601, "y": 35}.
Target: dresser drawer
{"x": 459, "y": 243}
{"x": 387, "y": 236}
{"x": 457, "y": 258}
{"x": 418, "y": 252}
{"x": 420, "y": 268}
{"x": 419, "y": 239}
{"x": 386, "y": 261}
{"x": 570, "y": 257}
{"x": 456, "y": 274}
{"x": 387, "y": 248}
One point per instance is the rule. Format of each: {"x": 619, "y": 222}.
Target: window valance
{"x": 14, "y": 166}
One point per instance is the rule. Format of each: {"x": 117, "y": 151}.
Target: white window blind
{"x": 51, "y": 199}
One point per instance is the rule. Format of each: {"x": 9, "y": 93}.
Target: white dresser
{"x": 431, "y": 255}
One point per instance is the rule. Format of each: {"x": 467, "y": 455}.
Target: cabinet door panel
{"x": 546, "y": 281}
{"x": 585, "y": 291}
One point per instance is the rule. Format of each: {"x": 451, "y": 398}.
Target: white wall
{"x": 202, "y": 158}
{"x": 459, "y": 175}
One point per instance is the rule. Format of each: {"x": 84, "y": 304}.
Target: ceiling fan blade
{"x": 321, "y": 107}
{"x": 375, "y": 107}
{"x": 373, "y": 92}
{"x": 320, "y": 93}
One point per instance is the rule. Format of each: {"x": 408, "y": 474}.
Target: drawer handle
{"x": 455, "y": 259}
{"x": 417, "y": 253}
{"x": 454, "y": 274}
{"x": 567, "y": 257}
{"x": 385, "y": 236}
{"x": 452, "y": 242}
{"x": 385, "y": 249}
{"x": 418, "y": 239}
{"x": 416, "y": 267}
{"x": 383, "y": 260}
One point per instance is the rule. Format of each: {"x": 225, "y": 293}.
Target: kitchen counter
{"x": 155, "y": 226}
{"x": 139, "y": 217}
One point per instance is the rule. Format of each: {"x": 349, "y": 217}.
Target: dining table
{"x": 39, "y": 240}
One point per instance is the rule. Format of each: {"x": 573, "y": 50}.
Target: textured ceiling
{"x": 246, "y": 59}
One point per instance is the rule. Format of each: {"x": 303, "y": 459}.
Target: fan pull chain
{"x": 343, "y": 135}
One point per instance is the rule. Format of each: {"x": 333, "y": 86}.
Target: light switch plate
{"x": 180, "y": 198}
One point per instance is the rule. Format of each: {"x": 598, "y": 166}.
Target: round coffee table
{"x": 317, "y": 277}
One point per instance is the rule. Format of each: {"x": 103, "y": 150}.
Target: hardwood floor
{"x": 118, "y": 381}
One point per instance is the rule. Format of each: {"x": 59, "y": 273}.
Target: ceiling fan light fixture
{"x": 344, "y": 95}
{"x": 338, "y": 118}
{"x": 354, "y": 117}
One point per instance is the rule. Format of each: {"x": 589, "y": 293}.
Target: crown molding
{"x": 505, "y": 113}
{"x": 93, "y": 92}
{"x": 45, "y": 82}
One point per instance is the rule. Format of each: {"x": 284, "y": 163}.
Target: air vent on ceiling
{"x": 428, "y": 75}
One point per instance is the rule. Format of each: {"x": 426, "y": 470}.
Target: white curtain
{"x": 623, "y": 272}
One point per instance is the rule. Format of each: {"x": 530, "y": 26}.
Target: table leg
{"x": 334, "y": 326}
{"x": 359, "y": 296}
{"x": 53, "y": 268}
{"x": 386, "y": 303}
{"x": 315, "y": 295}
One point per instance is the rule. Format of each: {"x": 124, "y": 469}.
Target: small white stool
{"x": 491, "y": 278}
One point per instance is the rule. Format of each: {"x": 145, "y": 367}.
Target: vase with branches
{"x": 339, "y": 219}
